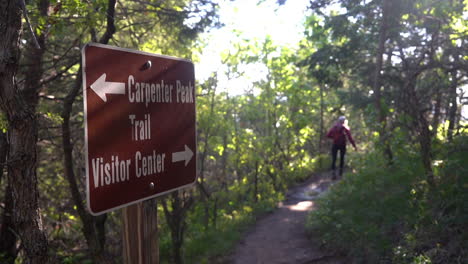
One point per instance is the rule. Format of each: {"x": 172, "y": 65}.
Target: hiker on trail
{"x": 340, "y": 133}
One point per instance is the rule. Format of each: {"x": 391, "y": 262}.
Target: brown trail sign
{"x": 140, "y": 135}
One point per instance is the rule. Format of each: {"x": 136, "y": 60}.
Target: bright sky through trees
{"x": 252, "y": 20}
{"x": 248, "y": 19}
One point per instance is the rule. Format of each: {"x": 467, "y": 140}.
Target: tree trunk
{"x": 237, "y": 150}
{"x": 22, "y": 176}
{"x": 321, "y": 132}
{"x": 436, "y": 116}
{"x": 215, "y": 213}
{"x": 3, "y": 153}
{"x": 381, "y": 117}
{"x": 93, "y": 226}
{"x": 224, "y": 163}
{"x": 175, "y": 219}
{"x": 421, "y": 125}
{"x": 453, "y": 105}
{"x": 426, "y": 151}
{"x": 22, "y": 136}
{"x": 256, "y": 182}
{"x": 8, "y": 251}
{"x": 205, "y": 196}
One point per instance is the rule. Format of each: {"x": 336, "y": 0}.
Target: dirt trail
{"x": 280, "y": 237}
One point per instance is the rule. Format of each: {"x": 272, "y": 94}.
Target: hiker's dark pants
{"x": 342, "y": 150}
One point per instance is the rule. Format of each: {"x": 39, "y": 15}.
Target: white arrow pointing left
{"x": 101, "y": 87}
{"x": 186, "y": 155}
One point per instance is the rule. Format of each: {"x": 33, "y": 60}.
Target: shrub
{"x": 388, "y": 214}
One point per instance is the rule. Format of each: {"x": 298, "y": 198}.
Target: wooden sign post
{"x": 140, "y": 233}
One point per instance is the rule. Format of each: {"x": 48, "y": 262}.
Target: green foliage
{"x": 76, "y": 258}
{"x": 321, "y": 163}
{"x": 4, "y": 258}
{"x": 362, "y": 212}
{"x": 390, "y": 209}
{"x": 251, "y": 148}
{"x": 440, "y": 234}
{"x": 389, "y": 213}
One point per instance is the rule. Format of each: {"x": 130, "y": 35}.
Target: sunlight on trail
{"x": 302, "y": 206}
{"x": 280, "y": 237}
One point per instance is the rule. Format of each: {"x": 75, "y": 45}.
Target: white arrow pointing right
{"x": 186, "y": 155}
{"x": 101, "y": 87}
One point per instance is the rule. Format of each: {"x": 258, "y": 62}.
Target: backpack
{"x": 339, "y": 136}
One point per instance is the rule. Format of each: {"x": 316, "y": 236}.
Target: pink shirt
{"x": 339, "y": 133}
